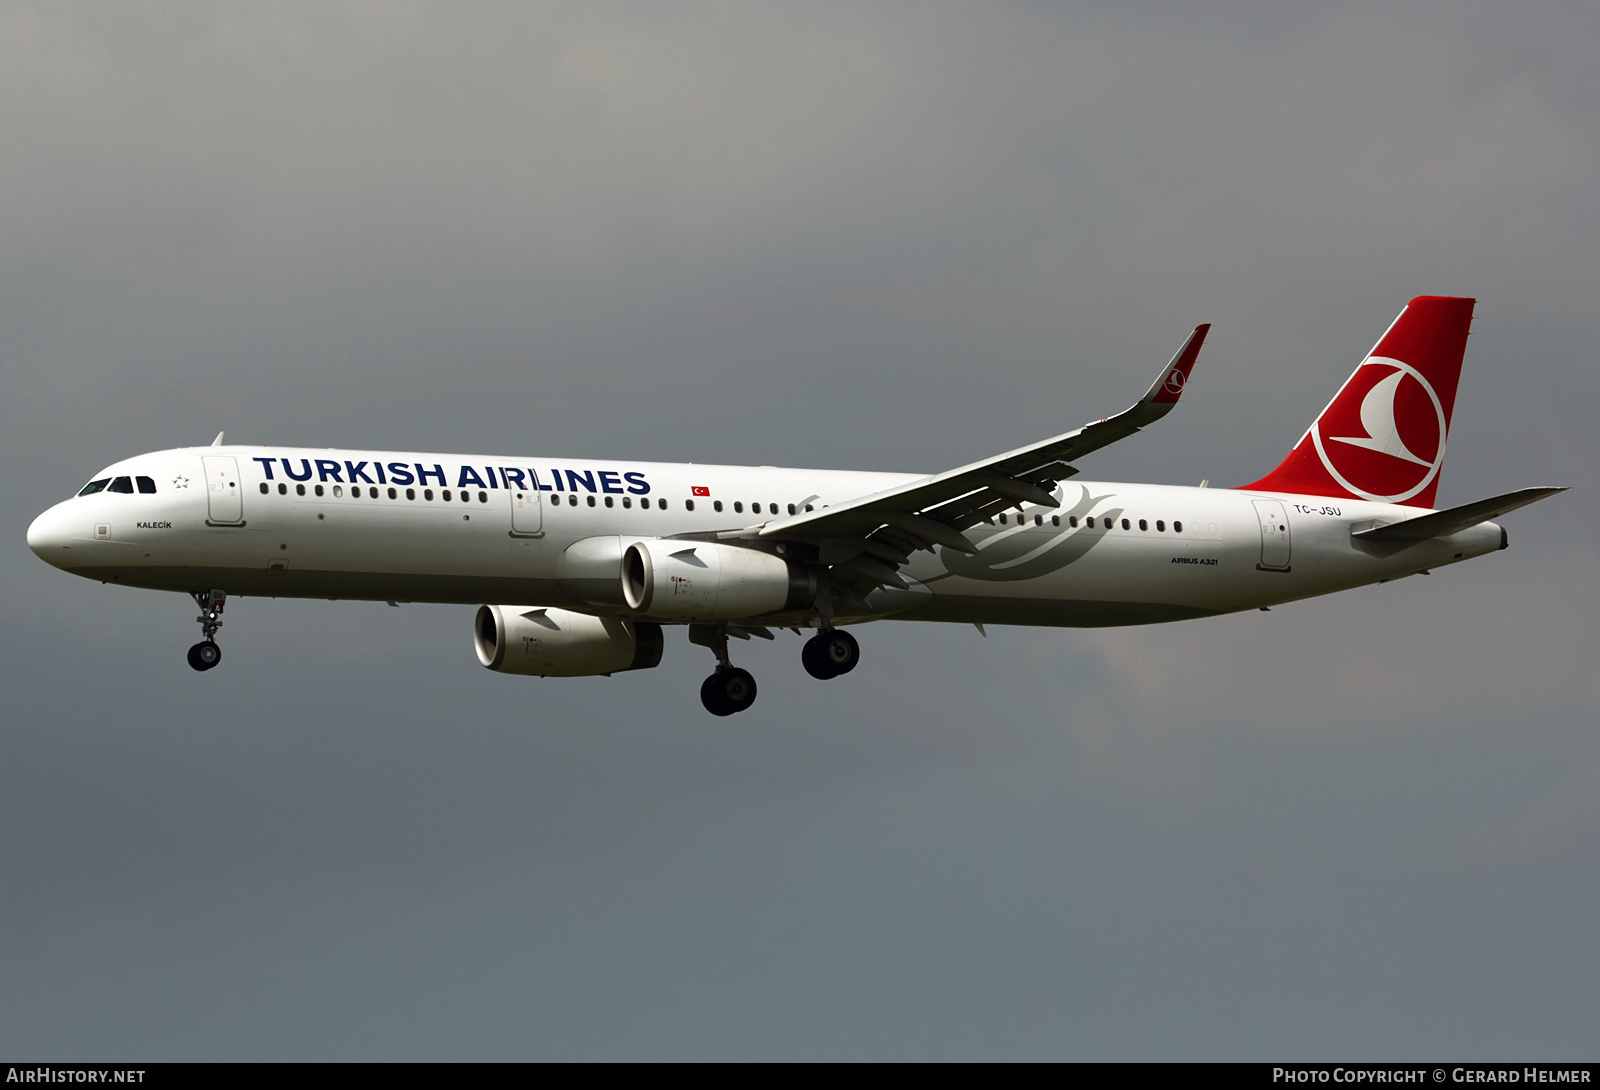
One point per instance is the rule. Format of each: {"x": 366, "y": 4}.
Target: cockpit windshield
{"x": 147, "y": 485}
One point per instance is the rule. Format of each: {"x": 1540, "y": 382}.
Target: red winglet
{"x": 1170, "y": 388}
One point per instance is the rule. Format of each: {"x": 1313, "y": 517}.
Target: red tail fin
{"x": 1382, "y": 437}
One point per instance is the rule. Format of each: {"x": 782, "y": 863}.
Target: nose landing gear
{"x": 829, "y": 653}
{"x": 206, "y": 654}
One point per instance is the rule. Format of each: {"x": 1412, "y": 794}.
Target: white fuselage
{"x": 404, "y": 526}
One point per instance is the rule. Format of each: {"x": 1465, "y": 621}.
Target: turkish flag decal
{"x": 698, "y": 490}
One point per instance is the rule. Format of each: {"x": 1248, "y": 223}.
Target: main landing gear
{"x": 727, "y": 691}
{"x": 206, "y": 654}
{"x": 730, "y": 689}
{"x": 829, "y": 653}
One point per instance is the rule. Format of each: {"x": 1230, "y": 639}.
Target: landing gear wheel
{"x": 814, "y": 657}
{"x": 204, "y": 655}
{"x": 728, "y": 691}
{"x": 837, "y": 650}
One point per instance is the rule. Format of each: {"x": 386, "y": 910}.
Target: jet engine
{"x": 559, "y": 643}
{"x": 707, "y": 581}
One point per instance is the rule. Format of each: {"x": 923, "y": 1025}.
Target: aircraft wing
{"x": 869, "y": 537}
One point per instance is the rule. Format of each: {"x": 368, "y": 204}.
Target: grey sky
{"x": 875, "y": 236}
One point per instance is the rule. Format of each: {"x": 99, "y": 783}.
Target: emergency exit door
{"x": 527, "y": 513}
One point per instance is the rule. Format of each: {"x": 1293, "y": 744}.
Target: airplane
{"x": 594, "y": 559}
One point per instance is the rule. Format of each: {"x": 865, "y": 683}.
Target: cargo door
{"x": 224, "y": 497}
{"x": 527, "y": 513}
{"x": 1274, "y": 535}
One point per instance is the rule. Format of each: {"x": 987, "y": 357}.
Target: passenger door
{"x": 224, "y": 497}
{"x": 1274, "y": 535}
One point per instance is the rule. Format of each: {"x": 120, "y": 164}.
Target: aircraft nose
{"x": 48, "y": 538}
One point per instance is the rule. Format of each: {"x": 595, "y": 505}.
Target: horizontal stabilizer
{"x": 1453, "y": 520}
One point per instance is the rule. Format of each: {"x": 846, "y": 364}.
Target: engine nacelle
{"x": 559, "y": 643}
{"x": 591, "y": 569}
{"x": 707, "y": 581}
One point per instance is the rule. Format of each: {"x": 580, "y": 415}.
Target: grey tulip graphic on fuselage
{"x": 1027, "y": 554}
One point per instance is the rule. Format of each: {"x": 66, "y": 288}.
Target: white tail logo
{"x": 1383, "y": 435}
{"x": 1377, "y": 417}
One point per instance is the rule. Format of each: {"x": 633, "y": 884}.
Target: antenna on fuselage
{"x": 217, "y": 442}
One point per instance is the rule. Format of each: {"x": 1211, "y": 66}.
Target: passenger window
{"x": 716, "y": 505}
{"x": 411, "y": 493}
{"x": 483, "y": 497}
{"x": 299, "y": 490}
{"x": 263, "y": 488}
{"x": 146, "y": 485}
{"x": 1177, "y": 527}
{"x": 1072, "y": 521}
{"x": 1143, "y": 525}
{"x": 738, "y": 506}
{"x": 627, "y": 501}
{"x": 608, "y": 501}
{"x": 1161, "y": 527}
{"x": 427, "y": 493}
{"x": 338, "y": 491}
{"x": 1002, "y": 520}
{"x": 95, "y": 486}
{"x": 1089, "y": 522}
{"x": 791, "y": 509}
{"x": 590, "y": 499}
{"x": 688, "y": 505}
{"x": 809, "y": 507}
{"x": 319, "y": 490}
{"x": 283, "y": 489}
{"x": 445, "y": 495}
{"x": 1055, "y": 520}
{"x": 121, "y": 484}
{"x": 1038, "y": 520}
{"x": 391, "y": 493}
{"x": 661, "y": 504}
{"x": 1125, "y": 525}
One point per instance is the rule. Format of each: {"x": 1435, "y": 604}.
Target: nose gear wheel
{"x": 204, "y": 655}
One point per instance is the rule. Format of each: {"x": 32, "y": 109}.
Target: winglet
{"x": 217, "y": 442}
{"x": 1169, "y": 387}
